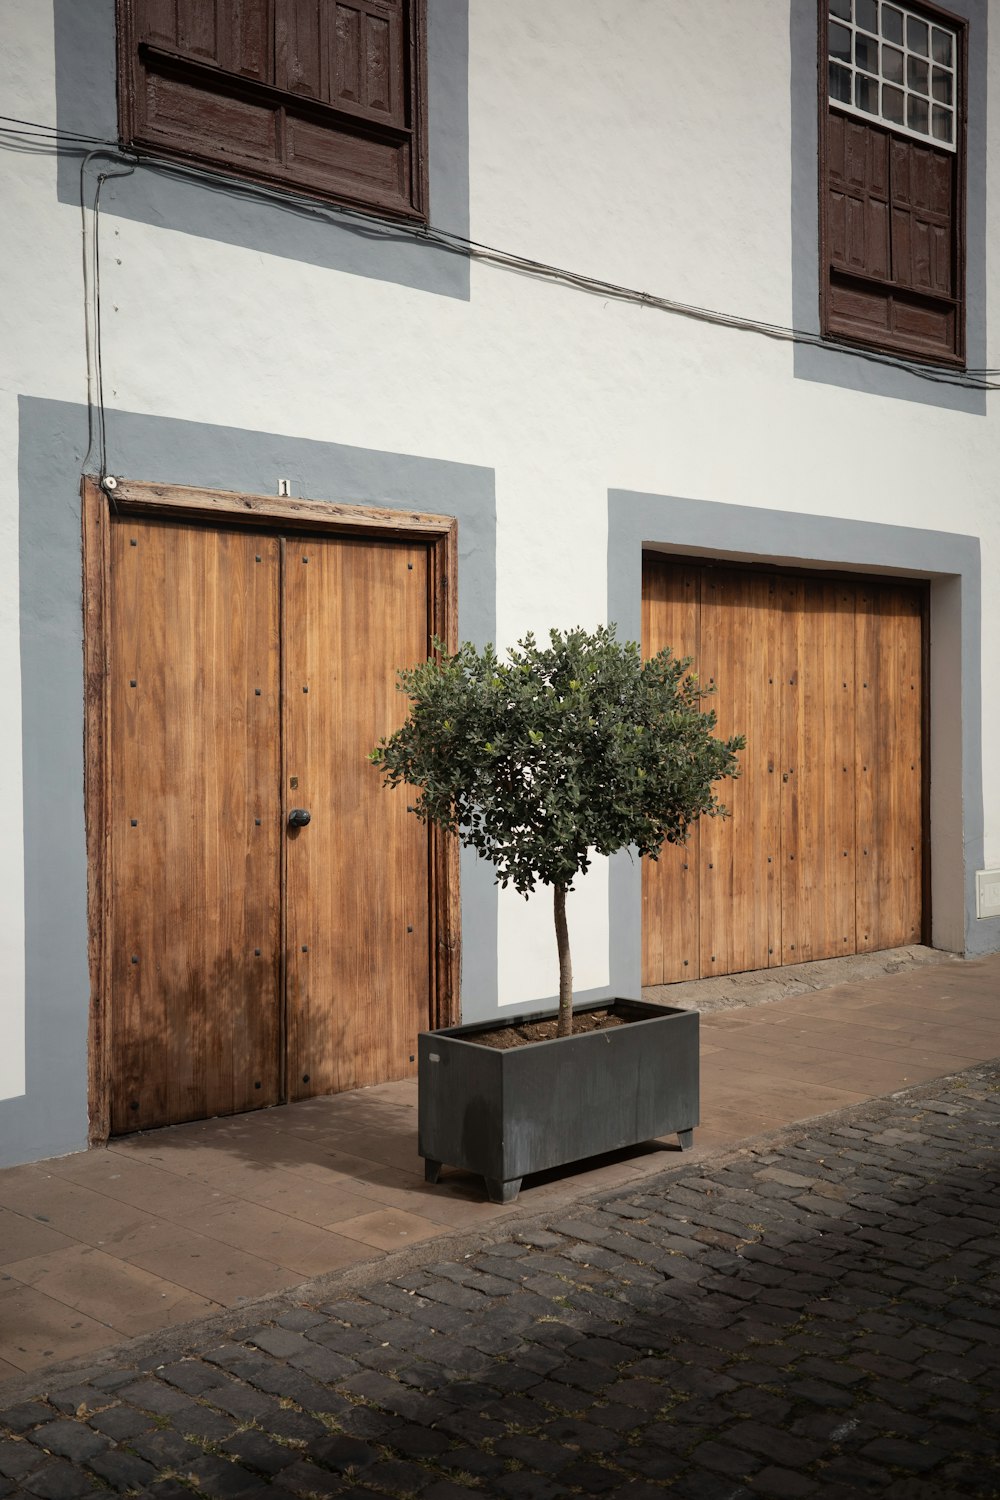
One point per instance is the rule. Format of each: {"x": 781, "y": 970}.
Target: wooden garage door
{"x": 254, "y": 961}
{"x": 823, "y": 854}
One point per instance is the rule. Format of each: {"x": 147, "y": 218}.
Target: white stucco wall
{"x": 645, "y": 143}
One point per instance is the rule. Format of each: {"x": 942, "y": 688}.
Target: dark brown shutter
{"x": 367, "y": 60}
{"x": 923, "y": 217}
{"x": 324, "y": 95}
{"x": 890, "y": 240}
{"x": 247, "y": 27}
{"x": 300, "y": 48}
{"x": 858, "y": 188}
{"x": 350, "y": 55}
{"x": 157, "y": 21}
{"x": 892, "y": 271}
{"x": 233, "y": 35}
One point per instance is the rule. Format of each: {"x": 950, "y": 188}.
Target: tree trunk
{"x": 565, "y": 964}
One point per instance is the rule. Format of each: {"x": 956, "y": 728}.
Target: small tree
{"x": 560, "y": 751}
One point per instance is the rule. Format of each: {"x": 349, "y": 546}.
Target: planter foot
{"x": 686, "y": 1138}
{"x": 502, "y": 1192}
{"x": 432, "y": 1170}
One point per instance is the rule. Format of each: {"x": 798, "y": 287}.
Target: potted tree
{"x": 539, "y": 761}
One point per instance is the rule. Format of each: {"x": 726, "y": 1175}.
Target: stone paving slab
{"x": 166, "y": 1226}
{"x": 816, "y": 1313}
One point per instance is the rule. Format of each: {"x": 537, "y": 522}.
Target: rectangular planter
{"x": 505, "y": 1113}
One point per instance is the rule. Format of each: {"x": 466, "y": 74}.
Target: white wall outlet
{"x": 988, "y": 893}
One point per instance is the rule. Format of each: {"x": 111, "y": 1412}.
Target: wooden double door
{"x": 257, "y": 955}
{"x": 823, "y": 854}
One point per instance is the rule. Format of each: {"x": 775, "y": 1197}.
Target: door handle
{"x": 299, "y": 817}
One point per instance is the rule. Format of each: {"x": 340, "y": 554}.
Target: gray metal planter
{"x": 506, "y": 1113}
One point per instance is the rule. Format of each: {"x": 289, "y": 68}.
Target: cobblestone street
{"x": 817, "y": 1314}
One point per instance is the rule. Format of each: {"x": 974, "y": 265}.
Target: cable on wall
{"x": 28, "y": 135}
{"x": 91, "y": 253}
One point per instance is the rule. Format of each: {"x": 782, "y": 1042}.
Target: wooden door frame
{"x": 255, "y": 512}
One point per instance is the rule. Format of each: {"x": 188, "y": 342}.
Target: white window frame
{"x": 881, "y": 81}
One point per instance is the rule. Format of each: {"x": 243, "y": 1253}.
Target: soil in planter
{"x": 506, "y": 1037}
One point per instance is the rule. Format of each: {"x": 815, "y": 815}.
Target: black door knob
{"x": 299, "y": 817}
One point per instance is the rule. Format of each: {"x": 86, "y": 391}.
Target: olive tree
{"x": 555, "y": 753}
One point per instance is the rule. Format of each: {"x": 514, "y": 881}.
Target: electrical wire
{"x": 54, "y": 130}
{"x": 91, "y": 253}
{"x": 30, "y": 132}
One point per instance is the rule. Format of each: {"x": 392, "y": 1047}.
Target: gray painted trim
{"x": 291, "y": 227}
{"x": 950, "y": 562}
{"x": 51, "y": 1118}
{"x": 851, "y": 371}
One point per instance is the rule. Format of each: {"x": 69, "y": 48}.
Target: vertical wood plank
{"x": 358, "y": 876}
{"x": 670, "y": 920}
{"x": 298, "y": 50}
{"x": 889, "y": 766}
{"x": 381, "y": 63}
{"x": 906, "y": 826}
{"x": 198, "y": 27}
{"x": 717, "y": 916}
{"x": 818, "y": 806}
{"x": 869, "y": 710}
{"x": 366, "y": 58}
{"x": 248, "y": 38}
{"x": 346, "y": 55}
{"x": 740, "y": 855}
{"x": 193, "y": 701}
{"x": 157, "y": 21}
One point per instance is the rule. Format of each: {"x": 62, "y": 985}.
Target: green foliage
{"x": 557, "y": 752}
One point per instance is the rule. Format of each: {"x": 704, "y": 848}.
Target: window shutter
{"x": 367, "y": 57}
{"x": 922, "y": 218}
{"x": 248, "y": 29}
{"x": 157, "y": 21}
{"x": 352, "y": 57}
{"x": 892, "y": 272}
{"x": 858, "y": 188}
{"x": 198, "y": 30}
{"x": 233, "y": 35}
{"x": 324, "y": 95}
{"x": 300, "y": 45}
{"x": 890, "y": 240}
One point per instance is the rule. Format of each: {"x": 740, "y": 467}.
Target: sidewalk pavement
{"x": 814, "y": 1315}
{"x": 181, "y": 1224}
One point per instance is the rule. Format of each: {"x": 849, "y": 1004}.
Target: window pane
{"x": 840, "y": 43}
{"x": 941, "y": 88}
{"x": 943, "y": 124}
{"x": 892, "y": 104}
{"x": 916, "y": 74}
{"x": 941, "y": 45}
{"x": 866, "y": 15}
{"x": 866, "y": 53}
{"x": 892, "y": 65}
{"x": 892, "y": 24}
{"x": 916, "y": 35}
{"x": 916, "y": 114}
{"x": 841, "y": 8}
{"x": 866, "y": 94}
{"x": 840, "y": 84}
